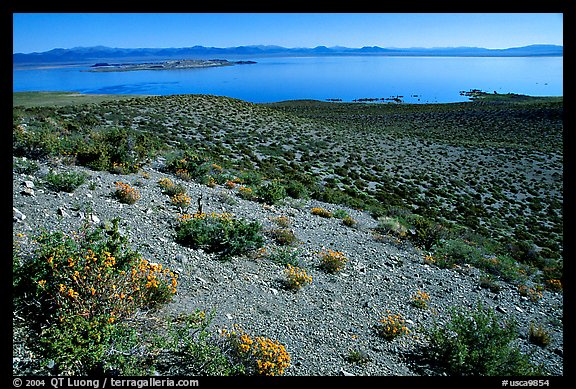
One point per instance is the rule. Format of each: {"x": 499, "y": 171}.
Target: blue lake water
{"x": 416, "y": 79}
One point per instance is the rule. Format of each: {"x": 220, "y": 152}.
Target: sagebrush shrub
{"x": 426, "y": 233}
{"x": 118, "y": 150}
{"x": 539, "y": 335}
{"x": 189, "y": 165}
{"x": 25, "y": 166}
{"x": 219, "y": 233}
{"x": 393, "y": 226}
{"x": 271, "y": 192}
{"x": 65, "y": 181}
{"x": 477, "y": 342}
{"x": 283, "y": 236}
{"x": 283, "y": 255}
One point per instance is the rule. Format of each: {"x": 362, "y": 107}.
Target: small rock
{"x": 62, "y": 212}
{"x": 17, "y": 216}
{"x": 27, "y": 191}
{"x": 93, "y": 219}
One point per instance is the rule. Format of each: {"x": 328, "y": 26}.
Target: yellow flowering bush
{"x": 124, "y": 167}
{"x": 332, "y": 261}
{"x": 296, "y": 277}
{"x": 321, "y": 212}
{"x": 534, "y": 294}
{"x": 183, "y": 174}
{"x": 126, "y": 193}
{"x": 246, "y": 193}
{"x": 420, "y": 299}
{"x": 260, "y": 355}
{"x": 392, "y": 326}
{"x": 282, "y": 221}
{"x": 85, "y": 282}
{"x": 554, "y": 284}
{"x": 180, "y": 199}
{"x": 166, "y": 183}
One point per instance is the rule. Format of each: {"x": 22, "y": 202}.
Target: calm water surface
{"x": 416, "y": 79}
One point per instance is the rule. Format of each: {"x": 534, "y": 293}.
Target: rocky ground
{"x": 322, "y": 322}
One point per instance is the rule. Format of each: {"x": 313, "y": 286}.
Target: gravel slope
{"x": 318, "y": 324}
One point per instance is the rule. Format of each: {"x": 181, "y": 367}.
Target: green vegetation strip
{"x": 37, "y": 99}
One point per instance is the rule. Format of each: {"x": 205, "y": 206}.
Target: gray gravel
{"x": 323, "y": 321}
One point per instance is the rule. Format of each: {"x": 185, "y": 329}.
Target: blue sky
{"x": 37, "y": 32}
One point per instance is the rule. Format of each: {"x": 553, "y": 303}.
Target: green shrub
{"x": 190, "y": 349}
{"x": 118, "y": 150}
{"x": 25, "y": 166}
{"x": 250, "y": 178}
{"x": 490, "y": 283}
{"x": 357, "y": 356}
{"x": 340, "y": 214}
{"x": 452, "y": 252}
{"x": 66, "y": 181}
{"x": 189, "y": 164}
{"x": 285, "y": 256}
{"x": 283, "y": 236}
{"x": 36, "y": 143}
{"x": 539, "y": 335}
{"x": 425, "y": 232}
{"x": 219, "y": 233}
{"x": 389, "y": 225}
{"x": 456, "y": 252}
{"x": 477, "y": 342}
{"x": 271, "y": 192}
{"x": 296, "y": 190}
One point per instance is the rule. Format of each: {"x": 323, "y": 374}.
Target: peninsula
{"x": 166, "y": 65}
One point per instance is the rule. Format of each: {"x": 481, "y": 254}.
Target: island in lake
{"x": 166, "y": 65}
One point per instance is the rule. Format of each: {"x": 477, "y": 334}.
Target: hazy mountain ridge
{"x": 76, "y": 54}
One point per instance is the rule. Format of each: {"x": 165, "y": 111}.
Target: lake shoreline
{"x": 37, "y": 98}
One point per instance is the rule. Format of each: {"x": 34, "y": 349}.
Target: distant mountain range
{"x": 99, "y": 53}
